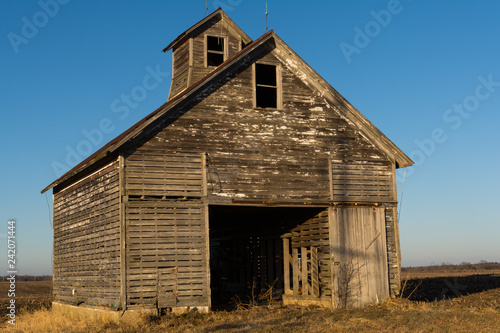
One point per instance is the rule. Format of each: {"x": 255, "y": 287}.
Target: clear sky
{"x": 426, "y": 73}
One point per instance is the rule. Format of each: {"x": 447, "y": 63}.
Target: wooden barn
{"x": 254, "y": 173}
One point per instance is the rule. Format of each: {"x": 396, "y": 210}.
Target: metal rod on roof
{"x": 206, "y": 6}
{"x": 266, "y": 18}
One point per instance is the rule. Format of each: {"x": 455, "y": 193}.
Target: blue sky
{"x": 426, "y": 73}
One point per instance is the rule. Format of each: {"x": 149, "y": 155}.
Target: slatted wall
{"x": 166, "y": 231}
{"x": 393, "y": 250}
{"x": 87, "y": 240}
{"x": 166, "y": 254}
{"x": 159, "y": 173}
{"x": 307, "y": 257}
{"x": 362, "y": 181}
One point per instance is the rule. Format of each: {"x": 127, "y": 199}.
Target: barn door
{"x": 360, "y": 248}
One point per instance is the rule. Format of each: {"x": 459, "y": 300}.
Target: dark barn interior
{"x": 246, "y": 249}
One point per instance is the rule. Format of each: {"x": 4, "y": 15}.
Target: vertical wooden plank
{"x": 382, "y": 250}
{"x": 394, "y": 183}
{"x": 286, "y": 265}
{"x": 207, "y": 255}
{"x": 330, "y": 176}
{"x": 372, "y": 257}
{"x": 368, "y": 262}
{"x": 363, "y": 259}
{"x": 314, "y": 272}
{"x": 395, "y": 220}
{"x": 295, "y": 270}
{"x": 353, "y": 283}
{"x": 334, "y": 236}
{"x": 204, "y": 174}
{"x": 123, "y": 259}
{"x": 303, "y": 259}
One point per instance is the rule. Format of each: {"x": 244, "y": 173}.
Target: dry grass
{"x": 477, "y": 312}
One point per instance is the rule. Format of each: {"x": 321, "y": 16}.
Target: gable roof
{"x": 218, "y": 14}
{"x": 296, "y": 64}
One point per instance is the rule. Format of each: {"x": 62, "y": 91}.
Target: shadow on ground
{"x": 439, "y": 288}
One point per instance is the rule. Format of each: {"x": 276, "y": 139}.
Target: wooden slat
{"x": 286, "y": 265}
{"x": 296, "y": 270}
{"x": 314, "y": 272}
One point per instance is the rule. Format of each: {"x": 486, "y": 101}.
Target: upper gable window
{"x": 266, "y": 86}
{"x": 215, "y": 50}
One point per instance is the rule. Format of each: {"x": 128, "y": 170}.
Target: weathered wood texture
{"x": 313, "y": 274}
{"x": 218, "y": 29}
{"x": 166, "y": 259}
{"x": 359, "y": 247}
{"x": 362, "y": 181}
{"x": 181, "y": 68}
{"x": 164, "y": 173}
{"x": 166, "y": 242}
{"x": 279, "y": 154}
{"x": 87, "y": 240}
{"x": 393, "y": 250}
{"x": 187, "y": 71}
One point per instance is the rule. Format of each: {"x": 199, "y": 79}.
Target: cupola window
{"x": 215, "y": 50}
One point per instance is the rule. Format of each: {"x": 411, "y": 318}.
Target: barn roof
{"x": 296, "y": 64}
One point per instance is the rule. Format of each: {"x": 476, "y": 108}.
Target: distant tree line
{"x": 464, "y": 266}
{"x": 32, "y": 278}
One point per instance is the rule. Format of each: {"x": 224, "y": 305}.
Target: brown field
{"x": 467, "y": 301}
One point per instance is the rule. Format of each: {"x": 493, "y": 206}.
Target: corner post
{"x": 207, "y": 225}
{"x": 123, "y": 254}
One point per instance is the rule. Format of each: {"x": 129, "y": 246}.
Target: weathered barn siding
{"x": 216, "y": 29}
{"x": 189, "y": 57}
{"x": 166, "y": 230}
{"x": 359, "y": 247}
{"x": 181, "y": 68}
{"x": 279, "y": 154}
{"x": 164, "y": 173}
{"x": 362, "y": 181}
{"x": 166, "y": 254}
{"x": 87, "y": 240}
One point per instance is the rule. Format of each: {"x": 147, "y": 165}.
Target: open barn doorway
{"x": 246, "y": 250}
